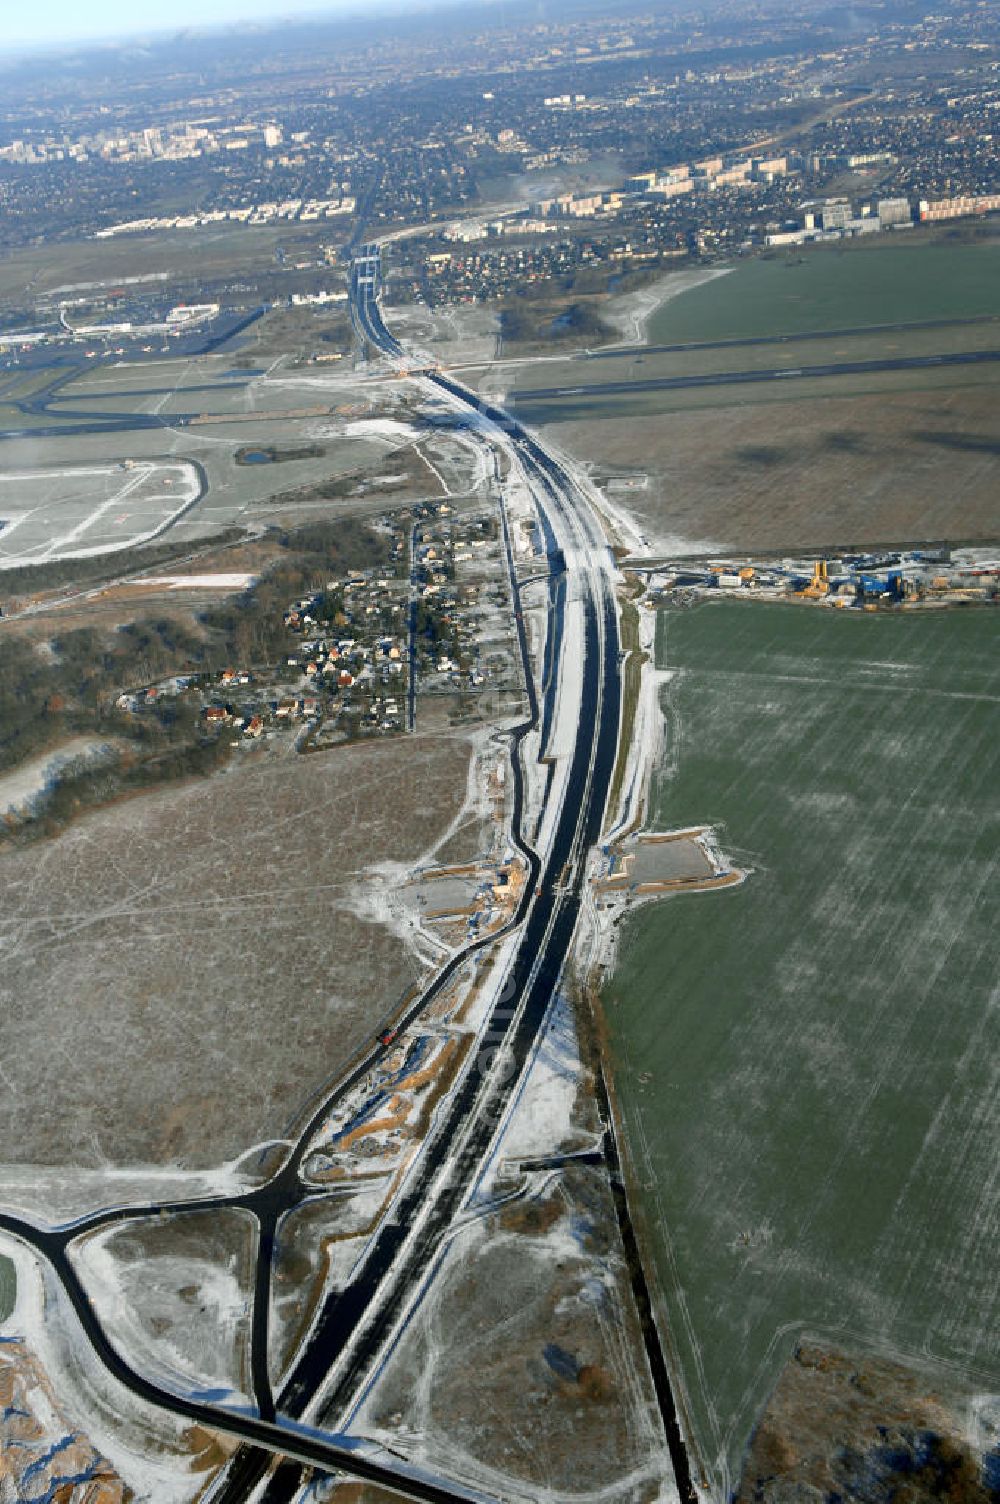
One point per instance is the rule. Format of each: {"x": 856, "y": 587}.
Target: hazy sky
{"x": 49, "y": 22}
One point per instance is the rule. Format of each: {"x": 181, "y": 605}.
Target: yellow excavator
{"x": 819, "y": 585}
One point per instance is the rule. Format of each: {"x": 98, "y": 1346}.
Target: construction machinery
{"x": 819, "y": 585}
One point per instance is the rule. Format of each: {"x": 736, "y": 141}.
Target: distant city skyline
{"x": 54, "y": 23}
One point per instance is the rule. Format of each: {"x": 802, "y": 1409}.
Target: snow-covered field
{"x": 232, "y": 581}
{"x": 177, "y": 1292}
{"x": 22, "y": 785}
{"x": 74, "y": 512}
{"x": 69, "y": 1392}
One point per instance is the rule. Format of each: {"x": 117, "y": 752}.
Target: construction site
{"x": 886, "y": 579}
{"x": 650, "y": 864}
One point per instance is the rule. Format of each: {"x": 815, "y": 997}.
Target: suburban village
{"x": 433, "y": 619}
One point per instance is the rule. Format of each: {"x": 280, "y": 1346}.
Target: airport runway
{"x": 632, "y": 352}
{"x": 527, "y": 397}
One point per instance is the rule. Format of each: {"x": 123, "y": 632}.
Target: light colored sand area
{"x": 20, "y": 787}
{"x": 634, "y": 312}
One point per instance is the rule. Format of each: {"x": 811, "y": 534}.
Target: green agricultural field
{"x": 807, "y": 1064}
{"x": 836, "y": 287}
{"x": 8, "y": 1288}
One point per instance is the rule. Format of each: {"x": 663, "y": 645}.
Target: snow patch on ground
{"x": 199, "y": 1303}
{"x": 380, "y": 428}
{"x": 632, "y": 312}
{"x": 647, "y": 745}
{"x": 380, "y": 896}
{"x": 199, "y": 581}
{"x": 145, "y": 1446}
{"x": 540, "y": 1118}
{"x": 383, "y": 894}
{"x": 629, "y": 529}
{"x": 673, "y": 546}
{"x": 21, "y": 787}
{"x": 48, "y": 1195}
{"x": 621, "y": 525}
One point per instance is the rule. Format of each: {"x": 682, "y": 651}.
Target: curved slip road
{"x": 349, "y": 1333}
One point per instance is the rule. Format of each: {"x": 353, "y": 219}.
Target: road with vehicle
{"x": 352, "y": 1329}
{"x": 573, "y": 732}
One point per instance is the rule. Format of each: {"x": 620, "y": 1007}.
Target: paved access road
{"x": 579, "y": 716}
{"x": 351, "y": 1330}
